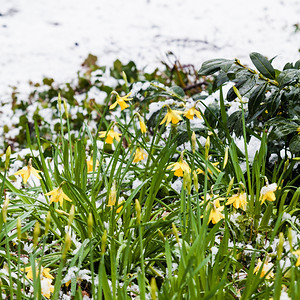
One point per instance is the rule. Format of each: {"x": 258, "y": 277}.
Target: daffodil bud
{"x": 153, "y": 289}
{"x": 48, "y": 221}
{"x": 194, "y": 140}
{"x": 230, "y": 186}
{"x": 59, "y": 102}
{"x": 103, "y": 242}
{"x": 66, "y": 109}
{"x": 207, "y": 145}
{"x": 195, "y": 179}
{"x": 286, "y": 164}
{"x": 280, "y": 246}
{"x": 36, "y": 233}
{"x": 175, "y": 231}
{"x": 138, "y": 211}
{"x": 90, "y": 225}
{"x": 8, "y": 153}
{"x": 187, "y": 184}
{"x": 62, "y": 212}
{"x": 67, "y": 245}
{"x": 237, "y": 93}
{"x": 19, "y": 226}
{"x": 112, "y": 197}
{"x": 71, "y": 215}
{"x": 125, "y": 78}
{"x": 142, "y": 124}
{"x": 290, "y": 238}
{"x": 225, "y": 157}
{"x": 4, "y": 209}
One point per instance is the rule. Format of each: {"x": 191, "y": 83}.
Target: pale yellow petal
{"x": 35, "y": 173}
{"x": 112, "y": 106}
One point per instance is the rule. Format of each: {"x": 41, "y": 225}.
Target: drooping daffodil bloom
{"x": 265, "y": 269}
{"x": 215, "y": 208}
{"x": 191, "y": 112}
{"x": 140, "y": 154}
{"x": 110, "y": 136}
{"x": 171, "y": 116}
{"x": 57, "y": 195}
{"x": 120, "y": 100}
{"x": 26, "y": 172}
{"x": 112, "y": 198}
{"x": 89, "y": 164}
{"x": 143, "y": 126}
{"x": 238, "y": 200}
{"x": 215, "y": 214}
{"x": 268, "y": 193}
{"x": 180, "y": 167}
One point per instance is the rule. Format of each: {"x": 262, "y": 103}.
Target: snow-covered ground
{"x": 51, "y": 38}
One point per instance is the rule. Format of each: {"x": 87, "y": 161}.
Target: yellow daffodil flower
{"x": 191, "y": 112}
{"x": 143, "y": 126}
{"x": 46, "y": 279}
{"x": 29, "y": 274}
{"x": 26, "y": 172}
{"x": 267, "y": 193}
{"x": 45, "y": 272}
{"x": 297, "y": 252}
{"x": 180, "y": 167}
{"x": 142, "y": 123}
{"x": 140, "y": 154}
{"x": 200, "y": 171}
{"x": 171, "y": 116}
{"x": 57, "y": 195}
{"x": 90, "y": 165}
{"x": 120, "y": 207}
{"x": 121, "y": 101}
{"x": 298, "y": 130}
{"x": 238, "y": 200}
{"x": 265, "y": 269}
{"x": 112, "y": 198}
{"x": 215, "y": 214}
{"x": 111, "y": 135}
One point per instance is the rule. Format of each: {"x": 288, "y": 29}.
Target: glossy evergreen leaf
{"x": 287, "y": 77}
{"x": 177, "y": 90}
{"x": 256, "y": 98}
{"x": 274, "y": 102}
{"x": 262, "y": 65}
{"x": 234, "y": 123}
{"x": 211, "y": 66}
{"x": 220, "y": 80}
{"x": 244, "y": 85}
{"x": 295, "y": 144}
{"x": 281, "y": 128}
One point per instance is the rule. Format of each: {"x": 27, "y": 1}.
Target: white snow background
{"x": 52, "y": 38}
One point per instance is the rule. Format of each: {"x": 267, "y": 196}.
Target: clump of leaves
{"x": 273, "y": 97}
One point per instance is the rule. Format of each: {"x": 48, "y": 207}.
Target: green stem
{"x": 9, "y": 264}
